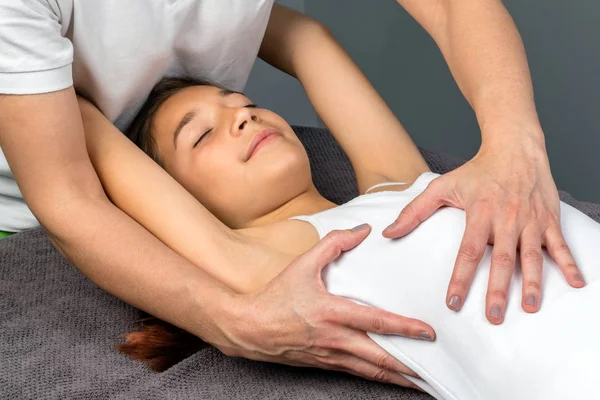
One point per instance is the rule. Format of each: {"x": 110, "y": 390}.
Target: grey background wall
{"x": 562, "y": 40}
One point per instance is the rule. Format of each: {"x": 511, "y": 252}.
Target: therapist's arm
{"x": 148, "y": 194}
{"x": 270, "y": 322}
{"x": 376, "y": 143}
{"x": 42, "y": 138}
{"x": 507, "y": 189}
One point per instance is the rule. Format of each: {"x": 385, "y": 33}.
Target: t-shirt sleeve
{"x": 35, "y": 57}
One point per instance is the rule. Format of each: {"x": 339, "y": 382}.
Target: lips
{"x": 260, "y": 140}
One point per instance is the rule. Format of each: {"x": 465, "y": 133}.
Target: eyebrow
{"x": 226, "y": 92}
{"x": 187, "y": 118}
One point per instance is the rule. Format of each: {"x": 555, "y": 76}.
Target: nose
{"x": 243, "y": 117}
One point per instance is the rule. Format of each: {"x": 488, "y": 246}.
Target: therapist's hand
{"x": 511, "y": 201}
{"x": 293, "y": 320}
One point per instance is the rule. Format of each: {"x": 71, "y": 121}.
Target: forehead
{"x": 170, "y": 113}
{"x": 190, "y": 96}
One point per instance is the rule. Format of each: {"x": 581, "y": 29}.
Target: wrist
{"x": 527, "y": 138}
{"x": 211, "y": 308}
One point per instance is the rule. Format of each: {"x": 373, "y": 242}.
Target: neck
{"x": 306, "y": 203}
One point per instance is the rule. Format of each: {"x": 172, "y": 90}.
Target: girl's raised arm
{"x": 377, "y": 144}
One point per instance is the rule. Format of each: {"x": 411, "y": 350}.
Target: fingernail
{"x": 360, "y": 227}
{"x": 390, "y": 227}
{"x": 454, "y": 303}
{"x": 531, "y": 300}
{"x": 578, "y": 278}
{"x": 495, "y": 312}
{"x": 425, "y": 336}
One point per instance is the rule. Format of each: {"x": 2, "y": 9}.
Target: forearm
{"x": 128, "y": 262}
{"x": 486, "y": 56}
{"x": 150, "y": 196}
{"x": 42, "y": 138}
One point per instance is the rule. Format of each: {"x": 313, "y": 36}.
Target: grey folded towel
{"x": 57, "y": 329}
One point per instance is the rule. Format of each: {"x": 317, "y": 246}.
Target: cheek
{"x": 217, "y": 179}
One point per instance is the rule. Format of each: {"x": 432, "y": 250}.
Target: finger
{"x": 472, "y": 248}
{"x": 561, "y": 254}
{"x": 330, "y": 248}
{"x": 362, "y": 346}
{"x": 371, "y": 319}
{"x": 356, "y": 366}
{"x": 531, "y": 264}
{"x": 344, "y": 362}
{"x": 417, "y": 211}
{"x": 333, "y": 244}
{"x": 501, "y": 272}
{"x": 371, "y": 372}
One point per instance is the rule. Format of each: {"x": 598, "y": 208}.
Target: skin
{"x": 507, "y": 189}
{"x": 292, "y": 40}
{"x": 210, "y": 155}
{"x": 43, "y": 139}
{"x": 255, "y": 196}
{"x": 264, "y": 241}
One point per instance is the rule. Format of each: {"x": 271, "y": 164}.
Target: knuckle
{"x": 329, "y": 359}
{"x": 503, "y": 259}
{"x": 328, "y": 343}
{"x": 436, "y": 190}
{"x": 326, "y": 314}
{"x": 533, "y": 285}
{"x": 377, "y": 324}
{"x": 324, "y": 359}
{"x": 333, "y": 247}
{"x": 332, "y": 238}
{"x": 532, "y": 255}
{"x": 459, "y": 285}
{"x": 383, "y": 361}
{"x": 435, "y": 184}
{"x": 469, "y": 253}
{"x": 334, "y": 235}
{"x": 498, "y": 295}
{"x": 321, "y": 345}
{"x": 559, "y": 247}
{"x": 381, "y": 375}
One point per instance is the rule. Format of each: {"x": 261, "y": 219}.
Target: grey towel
{"x": 57, "y": 329}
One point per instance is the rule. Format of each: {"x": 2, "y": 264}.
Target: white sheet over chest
{"x": 554, "y": 354}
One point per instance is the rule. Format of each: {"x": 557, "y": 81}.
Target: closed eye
{"x": 211, "y": 129}
{"x": 202, "y": 137}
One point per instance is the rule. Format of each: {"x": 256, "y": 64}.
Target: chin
{"x": 291, "y": 165}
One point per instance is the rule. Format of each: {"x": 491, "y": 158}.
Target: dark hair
{"x": 159, "y": 344}
{"x": 141, "y": 129}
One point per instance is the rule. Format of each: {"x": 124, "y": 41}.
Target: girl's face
{"x": 241, "y": 162}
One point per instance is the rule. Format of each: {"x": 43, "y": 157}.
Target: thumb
{"x": 417, "y": 211}
{"x": 332, "y": 245}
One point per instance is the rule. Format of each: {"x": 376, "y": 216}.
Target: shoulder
{"x": 36, "y": 57}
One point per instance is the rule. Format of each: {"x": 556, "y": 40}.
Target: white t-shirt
{"x": 115, "y": 51}
{"x": 551, "y": 355}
